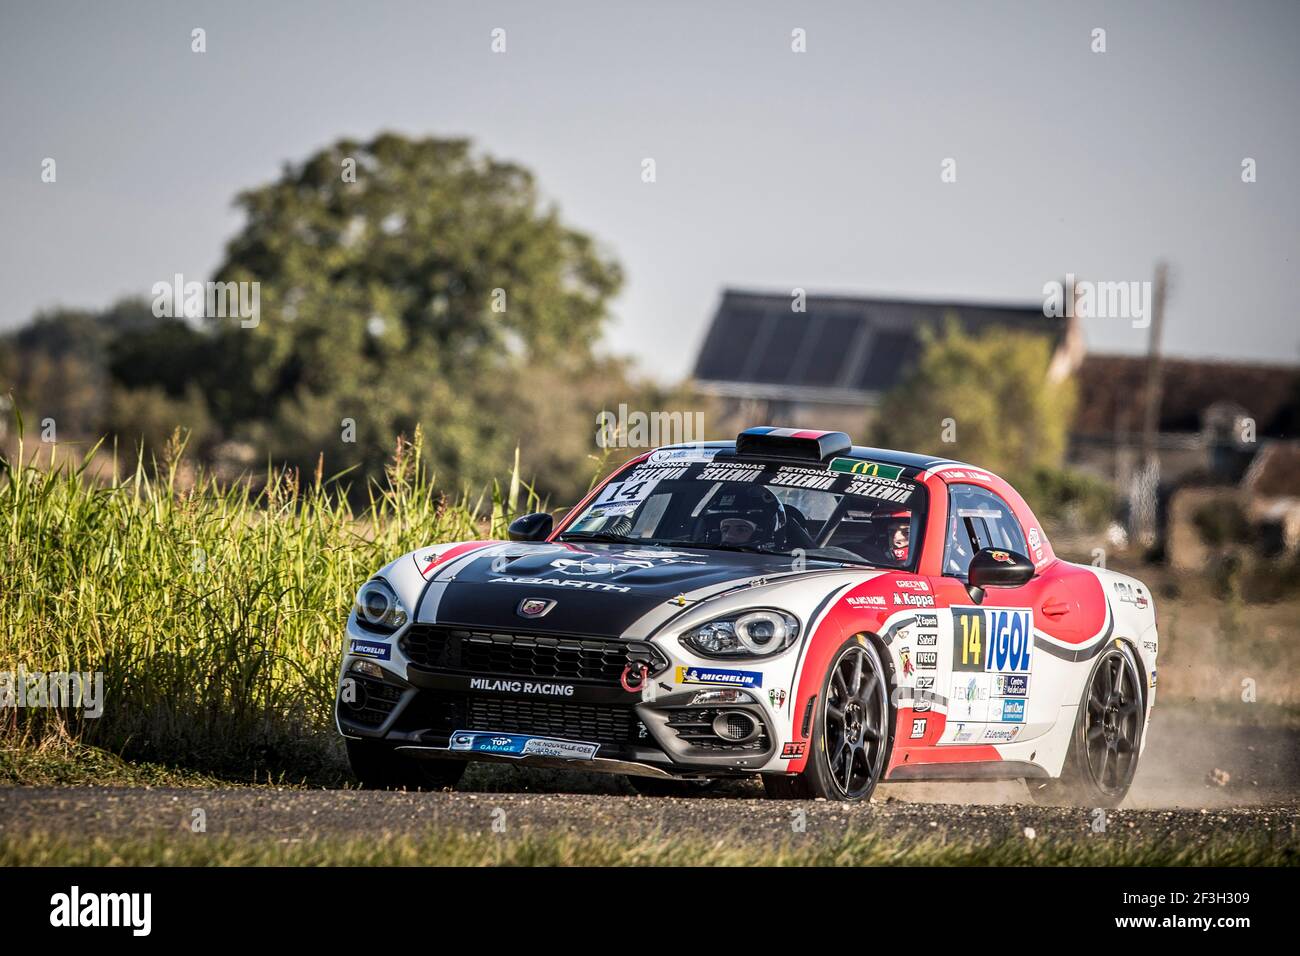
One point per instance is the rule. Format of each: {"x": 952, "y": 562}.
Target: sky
{"x": 774, "y": 169}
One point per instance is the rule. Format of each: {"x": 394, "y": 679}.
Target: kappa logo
{"x": 913, "y": 600}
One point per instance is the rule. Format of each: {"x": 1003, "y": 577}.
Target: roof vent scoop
{"x": 800, "y": 444}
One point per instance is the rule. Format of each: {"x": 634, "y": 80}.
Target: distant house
{"x": 1213, "y": 415}
{"x": 1225, "y": 439}
{"x": 830, "y": 364}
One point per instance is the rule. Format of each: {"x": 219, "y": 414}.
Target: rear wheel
{"x": 852, "y": 732}
{"x": 377, "y": 766}
{"x": 1107, "y": 736}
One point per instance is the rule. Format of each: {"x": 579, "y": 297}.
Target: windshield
{"x": 823, "y": 513}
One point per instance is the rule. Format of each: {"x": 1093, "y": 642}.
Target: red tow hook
{"x": 641, "y": 670}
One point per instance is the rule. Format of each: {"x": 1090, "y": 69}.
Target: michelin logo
{"x": 703, "y": 675}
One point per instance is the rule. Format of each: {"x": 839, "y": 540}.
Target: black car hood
{"x": 598, "y": 589}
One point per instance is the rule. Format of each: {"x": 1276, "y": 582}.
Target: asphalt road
{"x": 1196, "y": 780}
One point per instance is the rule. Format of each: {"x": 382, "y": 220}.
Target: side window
{"x": 977, "y": 518}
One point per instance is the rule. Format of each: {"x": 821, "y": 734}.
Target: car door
{"x": 990, "y": 645}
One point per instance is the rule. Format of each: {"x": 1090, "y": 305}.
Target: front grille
{"x": 589, "y": 660}
{"x": 599, "y": 723}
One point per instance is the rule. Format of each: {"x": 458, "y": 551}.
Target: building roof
{"x": 843, "y": 348}
{"x": 1111, "y": 389}
{"x": 1275, "y": 472}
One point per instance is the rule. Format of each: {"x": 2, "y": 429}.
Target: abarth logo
{"x": 534, "y": 607}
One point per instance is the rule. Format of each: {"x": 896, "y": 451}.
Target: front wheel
{"x": 378, "y": 766}
{"x": 1107, "y": 737}
{"x": 852, "y": 734}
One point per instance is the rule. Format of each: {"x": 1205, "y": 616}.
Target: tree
{"x": 432, "y": 289}
{"x": 985, "y": 399}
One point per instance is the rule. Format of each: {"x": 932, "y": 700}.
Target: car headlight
{"x": 758, "y": 633}
{"x": 378, "y": 608}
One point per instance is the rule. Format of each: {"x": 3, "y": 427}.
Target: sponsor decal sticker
{"x": 570, "y": 583}
{"x": 793, "y": 748}
{"x": 921, "y": 702}
{"x": 669, "y": 456}
{"x": 1131, "y": 594}
{"x": 927, "y": 660}
{"x": 905, "y": 659}
{"x": 1011, "y": 685}
{"x": 882, "y": 489}
{"x": 918, "y": 728}
{"x": 866, "y": 600}
{"x": 706, "y": 675}
{"x": 506, "y": 686}
{"x": 853, "y": 466}
{"x": 999, "y": 735}
{"x": 1007, "y": 710}
{"x": 589, "y": 564}
{"x": 913, "y": 600}
{"x": 521, "y": 745}
{"x": 998, "y": 640}
{"x": 803, "y": 478}
{"x": 732, "y": 472}
{"x": 372, "y": 649}
{"x": 927, "y": 639}
{"x": 776, "y": 697}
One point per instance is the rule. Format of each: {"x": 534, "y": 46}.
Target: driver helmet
{"x": 749, "y": 516}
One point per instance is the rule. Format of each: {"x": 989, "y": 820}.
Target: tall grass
{"x": 214, "y": 612}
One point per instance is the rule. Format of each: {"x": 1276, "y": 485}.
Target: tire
{"x": 1107, "y": 736}
{"x": 662, "y": 787}
{"x": 853, "y": 732}
{"x": 378, "y": 766}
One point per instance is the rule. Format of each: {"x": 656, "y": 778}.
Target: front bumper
{"x": 546, "y": 685}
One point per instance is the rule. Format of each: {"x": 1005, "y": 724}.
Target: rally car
{"x": 787, "y": 604}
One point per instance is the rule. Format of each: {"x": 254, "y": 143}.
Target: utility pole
{"x": 1142, "y": 499}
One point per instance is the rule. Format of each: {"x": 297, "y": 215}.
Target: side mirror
{"x": 993, "y": 568}
{"x": 533, "y": 527}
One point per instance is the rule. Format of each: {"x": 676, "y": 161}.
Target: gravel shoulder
{"x": 1198, "y": 781}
